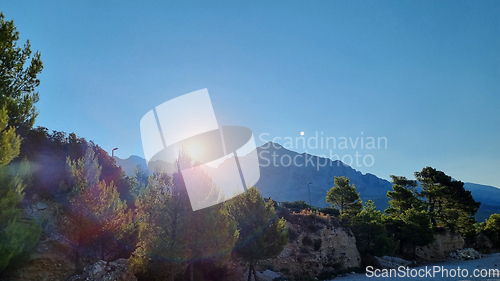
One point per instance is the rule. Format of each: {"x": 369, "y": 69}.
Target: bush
{"x": 304, "y": 250}
{"x": 330, "y": 211}
{"x": 292, "y": 235}
{"x": 492, "y": 229}
{"x": 306, "y": 241}
{"x": 326, "y": 275}
{"x": 317, "y": 244}
{"x": 296, "y": 206}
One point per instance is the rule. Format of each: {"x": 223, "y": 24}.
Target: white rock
{"x": 41, "y": 206}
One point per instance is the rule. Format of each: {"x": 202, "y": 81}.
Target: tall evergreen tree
{"x": 416, "y": 229}
{"x": 99, "y": 219}
{"x": 16, "y": 238}
{"x": 17, "y": 99}
{"x": 344, "y": 197}
{"x": 448, "y": 203}
{"x": 368, "y": 227}
{"x": 161, "y": 213}
{"x": 18, "y": 81}
{"x": 407, "y": 220}
{"x": 262, "y": 234}
{"x": 174, "y": 238}
{"x": 403, "y": 196}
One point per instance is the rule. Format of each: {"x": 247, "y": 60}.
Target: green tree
{"x": 403, "y": 196}
{"x": 344, "y": 197}
{"x": 369, "y": 229}
{"x": 210, "y": 233}
{"x": 17, "y": 99}
{"x": 161, "y": 213}
{"x": 448, "y": 203}
{"x": 492, "y": 229}
{"x": 16, "y": 238}
{"x": 407, "y": 220}
{"x": 262, "y": 234}
{"x": 18, "y": 77}
{"x": 416, "y": 229}
{"x": 173, "y": 238}
{"x": 99, "y": 219}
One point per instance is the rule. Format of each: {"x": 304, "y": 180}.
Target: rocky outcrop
{"x": 483, "y": 244}
{"x": 103, "y": 271}
{"x": 466, "y": 254}
{"x": 445, "y": 243}
{"x": 388, "y": 262}
{"x": 318, "y": 245}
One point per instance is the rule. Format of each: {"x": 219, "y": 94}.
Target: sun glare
{"x": 195, "y": 150}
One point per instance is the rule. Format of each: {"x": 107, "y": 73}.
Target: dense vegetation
{"x": 413, "y": 216}
{"x": 17, "y": 112}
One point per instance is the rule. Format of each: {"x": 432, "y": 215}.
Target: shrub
{"x": 306, "y": 241}
{"x": 317, "y": 244}
{"x": 292, "y": 235}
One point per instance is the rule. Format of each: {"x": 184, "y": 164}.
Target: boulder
{"x": 267, "y": 275}
{"x": 466, "y": 254}
{"x": 103, "y": 271}
{"x": 41, "y": 206}
{"x": 388, "y": 262}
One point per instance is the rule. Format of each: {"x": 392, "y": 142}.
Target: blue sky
{"x": 423, "y": 74}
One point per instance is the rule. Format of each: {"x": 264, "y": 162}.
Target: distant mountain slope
{"x": 489, "y": 197}
{"x": 128, "y": 165}
{"x": 289, "y": 182}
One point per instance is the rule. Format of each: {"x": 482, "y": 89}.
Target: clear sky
{"x": 423, "y": 74}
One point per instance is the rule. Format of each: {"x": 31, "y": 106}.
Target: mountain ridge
{"x": 290, "y": 182}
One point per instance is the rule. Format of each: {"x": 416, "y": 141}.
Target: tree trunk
{"x": 250, "y": 272}
{"x": 255, "y": 274}
{"x": 191, "y": 272}
{"x": 171, "y": 276}
{"x": 77, "y": 258}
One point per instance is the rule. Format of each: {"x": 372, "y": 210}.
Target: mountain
{"x": 289, "y": 182}
{"x": 284, "y": 182}
{"x": 489, "y": 197}
{"x": 128, "y": 165}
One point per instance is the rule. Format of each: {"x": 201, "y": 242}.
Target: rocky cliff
{"x": 318, "y": 246}
{"x": 445, "y": 243}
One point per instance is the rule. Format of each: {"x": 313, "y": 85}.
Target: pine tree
{"x": 368, "y": 227}
{"x": 17, "y": 99}
{"x": 403, "y": 196}
{"x": 174, "y": 238}
{"x": 344, "y": 197}
{"x": 416, "y": 229}
{"x": 16, "y": 238}
{"x": 99, "y": 219}
{"x": 262, "y": 234}
{"x": 448, "y": 203}
{"x": 17, "y": 81}
{"x": 407, "y": 220}
{"x": 161, "y": 214}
